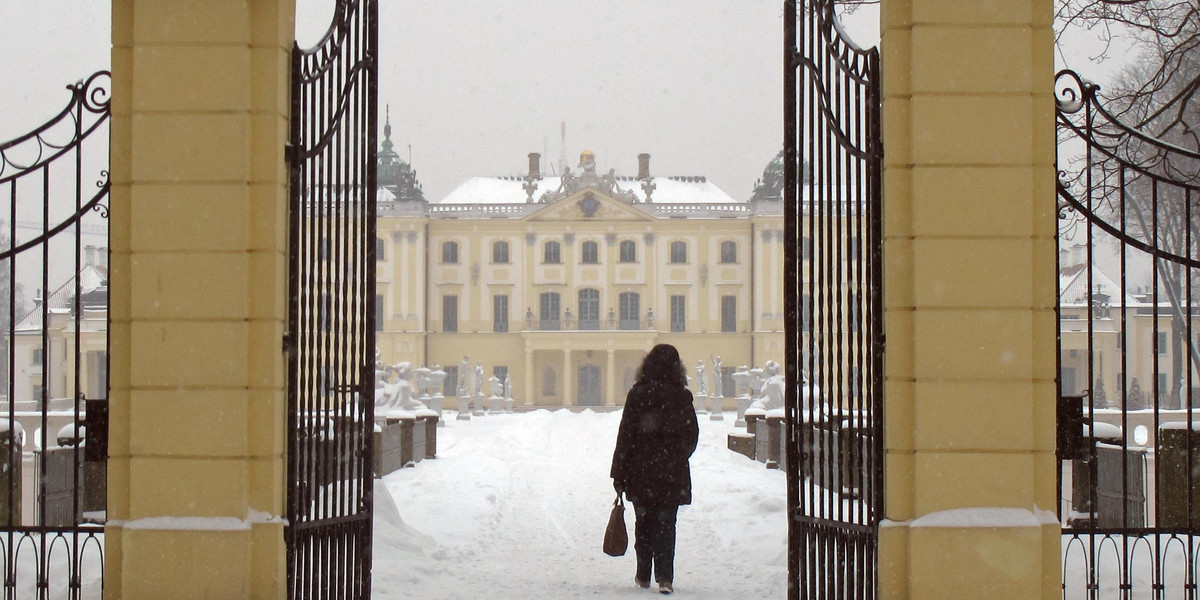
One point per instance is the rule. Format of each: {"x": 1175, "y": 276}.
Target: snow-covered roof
{"x": 511, "y": 190}
{"x": 1073, "y": 288}
{"x": 93, "y": 282}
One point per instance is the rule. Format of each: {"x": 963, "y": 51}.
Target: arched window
{"x": 678, "y": 252}
{"x": 630, "y": 317}
{"x": 552, "y": 253}
{"x": 500, "y": 253}
{"x": 591, "y": 253}
{"x": 728, "y": 252}
{"x": 589, "y": 309}
{"x": 549, "y": 382}
{"x": 549, "y": 307}
{"x": 450, "y": 253}
{"x": 628, "y": 251}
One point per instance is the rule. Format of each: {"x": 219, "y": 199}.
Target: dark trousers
{"x": 654, "y": 541}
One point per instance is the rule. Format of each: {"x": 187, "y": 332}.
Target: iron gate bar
{"x": 1120, "y": 166}
{"x": 59, "y": 528}
{"x": 832, "y": 172}
{"x": 330, "y": 332}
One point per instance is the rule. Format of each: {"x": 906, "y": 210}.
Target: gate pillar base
{"x": 993, "y": 553}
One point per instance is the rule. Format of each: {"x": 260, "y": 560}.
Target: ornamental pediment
{"x": 589, "y": 204}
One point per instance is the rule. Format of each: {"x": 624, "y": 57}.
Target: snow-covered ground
{"x": 515, "y": 507}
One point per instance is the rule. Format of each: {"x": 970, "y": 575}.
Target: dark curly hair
{"x": 663, "y": 365}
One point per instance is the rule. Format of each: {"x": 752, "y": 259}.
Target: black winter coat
{"x": 658, "y": 433}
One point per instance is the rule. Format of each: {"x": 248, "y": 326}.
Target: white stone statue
{"x": 437, "y": 400}
{"x": 718, "y": 384}
{"x": 478, "y": 390}
{"x": 702, "y": 382}
{"x": 406, "y": 399}
{"x": 773, "y": 387}
{"x": 464, "y": 377}
{"x": 508, "y": 399}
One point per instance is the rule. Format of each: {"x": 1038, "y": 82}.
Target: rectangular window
{"x": 450, "y": 314}
{"x": 98, "y": 374}
{"x": 500, "y": 371}
{"x": 450, "y": 385}
{"x": 450, "y": 253}
{"x": 323, "y": 249}
{"x": 379, "y": 249}
{"x": 1164, "y": 390}
{"x": 378, "y": 312}
{"x": 500, "y": 314}
{"x": 591, "y": 253}
{"x": 678, "y": 313}
{"x": 1162, "y": 342}
{"x": 678, "y": 252}
{"x": 36, "y": 357}
{"x": 37, "y": 394}
{"x": 628, "y": 251}
{"x": 630, "y": 310}
{"x": 728, "y": 314}
{"x": 728, "y": 252}
{"x": 500, "y": 253}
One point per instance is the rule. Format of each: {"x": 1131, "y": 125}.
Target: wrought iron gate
{"x": 1129, "y": 359}
{"x": 54, "y": 361}
{"x": 834, "y": 306}
{"x": 331, "y": 330}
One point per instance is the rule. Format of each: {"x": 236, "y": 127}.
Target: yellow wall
{"x": 970, "y": 294}
{"x": 198, "y": 289}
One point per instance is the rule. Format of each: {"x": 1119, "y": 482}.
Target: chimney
{"x": 89, "y": 254}
{"x": 643, "y": 166}
{"x": 535, "y": 165}
{"x": 102, "y": 257}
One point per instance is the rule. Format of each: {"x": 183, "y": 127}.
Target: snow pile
{"x": 515, "y": 507}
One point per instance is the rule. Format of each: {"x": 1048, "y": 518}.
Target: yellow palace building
{"x": 563, "y": 282}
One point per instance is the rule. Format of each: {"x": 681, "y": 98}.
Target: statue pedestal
{"x": 436, "y": 404}
{"x": 464, "y": 408}
{"x": 715, "y": 409}
{"x": 508, "y": 405}
{"x": 701, "y": 400}
{"x": 478, "y": 412}
{"x": 495, "y": 404}
{"x": 743, "y": 402}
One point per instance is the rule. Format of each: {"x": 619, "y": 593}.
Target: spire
{"x": 387, "y": 129}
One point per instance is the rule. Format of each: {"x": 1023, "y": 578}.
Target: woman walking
{"x": 650, "y": 464}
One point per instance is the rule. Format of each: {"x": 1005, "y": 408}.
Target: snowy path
{"x": 515, "y": 507}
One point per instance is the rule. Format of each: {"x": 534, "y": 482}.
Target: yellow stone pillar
{"x": 198, "y": 290}
{"x": 529, "y": 375}
{"x": 567, "y": 388}
{"x": 610, "y": 378}
{"x": 970, "y": 293}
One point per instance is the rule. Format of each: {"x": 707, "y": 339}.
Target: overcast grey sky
{"x": 474, "y": 85}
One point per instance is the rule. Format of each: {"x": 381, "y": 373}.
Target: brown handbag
{"x": 616, "y": 537}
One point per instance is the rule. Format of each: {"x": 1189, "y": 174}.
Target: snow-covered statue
{"x": 718, "y": 384}
{"x": 701, "y": 381}
{"x": 773, "y": 387}
{"x": 464, "y": 377}
{"x": 496, "y": 386}
{"x": 479, "y": 377}
{"x": 421, "y": 381}
{"x": 437, "y": 378}
{"x": 757, "y": 377}
{"x": 381, "y": 377}
{"x": 508, "y": 399}
{"x": 406, "y": 397}
{"x": 742, "y": 380}
{"x": 437, "y": 400}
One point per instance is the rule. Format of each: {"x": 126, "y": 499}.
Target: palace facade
{"x": 563, "y": 282}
